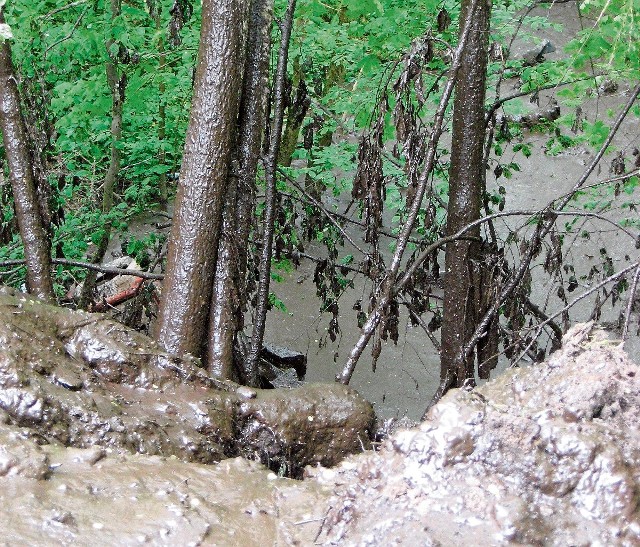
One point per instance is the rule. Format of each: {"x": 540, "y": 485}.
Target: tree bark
{"x": 192, "y": 251}
{"x": 37, "y": 248}
{"x": 271, "y": 163}
{"x": 163, "y": 192}
{"x": 462, "y": 268}
{"x": 229, "y": 298}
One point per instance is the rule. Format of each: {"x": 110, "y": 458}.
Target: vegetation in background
{"x": 365, "y": 79}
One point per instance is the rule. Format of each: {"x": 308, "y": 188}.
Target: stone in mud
{"x": 77, "y": 379}
{"x": 536, "y": 54}
{"x": 285, "y": 358}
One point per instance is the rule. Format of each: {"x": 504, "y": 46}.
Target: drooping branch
{"x": 541, "y": 230}
{"x": 384, "y": 293}
{"x": 270, "y": 198}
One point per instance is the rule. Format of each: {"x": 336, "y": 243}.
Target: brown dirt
{"x": 548, "y": 455}
{"x": 81, "y": 380}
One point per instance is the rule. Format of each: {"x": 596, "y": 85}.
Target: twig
{"x": 497, "y": 104}
{"x": 87, "y": 266}
{"x": 384, "y": 293}
{"x": 343, "y": 217}
{"x": 319, "y": 205}
{"x": 632, "y": 295}
{"x": 422, "y": 324}
{"x": 593, "y": 289}
{"x": 71, "y": 32}
{"x": 541, "y": 231}
{"x": 63, "y": 8}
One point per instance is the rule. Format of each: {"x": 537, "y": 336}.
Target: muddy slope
{"x": 66, "y": 496}
{"x": 549, "y": 455}
{"x": 80, "y": 380}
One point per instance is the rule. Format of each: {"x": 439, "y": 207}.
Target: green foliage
{"x": 59, "y": 50}
{"x": 350, "y": 53}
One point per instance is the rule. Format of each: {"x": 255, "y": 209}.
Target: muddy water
{"x": 408, "y": 374}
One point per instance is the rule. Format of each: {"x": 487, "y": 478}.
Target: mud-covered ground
{"x": 548, "y": 455}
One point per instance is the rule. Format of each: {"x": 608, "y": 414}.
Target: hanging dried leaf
{"x": 444, "y": 20}
{"x": 618, "y": 166}
{"x": 376, "y": 350}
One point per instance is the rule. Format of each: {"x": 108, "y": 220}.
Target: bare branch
{"x": 70, "y": 34}
{"x": 632, "y": 296}
{"x": 384, "y": 293}
{"x": 271, "y": 164}
{"x": 87, "y": 266}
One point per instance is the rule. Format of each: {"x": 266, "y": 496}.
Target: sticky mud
{"x": 544, "y": 456}
{"x": 548, "y": 455}
{"x": 78, "y": 379}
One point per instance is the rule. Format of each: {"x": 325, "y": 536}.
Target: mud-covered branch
{"x": 87, "y": 266}
{"x": 384, "y": 293}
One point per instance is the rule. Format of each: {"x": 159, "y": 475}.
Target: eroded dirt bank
{"x": 81, "y": 380}
{"x": 548, "y": 455}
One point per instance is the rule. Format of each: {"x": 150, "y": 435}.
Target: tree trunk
{"x": 271, "y": 163}
{"x": 188, "y": 284}
{"x": 163, "y": 193}
{"x": 461, "y": 293}
{"x": 296, "y": 112}
{"x": 37, "y": 249}
{"x": 229, "y": 295}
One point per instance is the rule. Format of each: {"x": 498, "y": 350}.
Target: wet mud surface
{"x": 548, "y": 455}
{"x": 544, "y": 456}
{"x": 77, "y": 379}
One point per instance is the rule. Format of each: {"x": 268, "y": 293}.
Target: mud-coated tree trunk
{"x": 191, "y": 260}
{"x": 229, "y": 294}
{"x": 37, "y": 248}
{"x": 270, "y": 166}
{"x": 461, "y": 293}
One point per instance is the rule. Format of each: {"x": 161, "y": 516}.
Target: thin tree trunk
{"x": 296, "y": 112}
{"x": 117, "y": 84}
{"x": 271, "y": 164}
{"x": 37, "y": 248}
{"x": 462, "y": 268}
{"x": 229, "y": 295}
{"x": 188, "y": 284}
